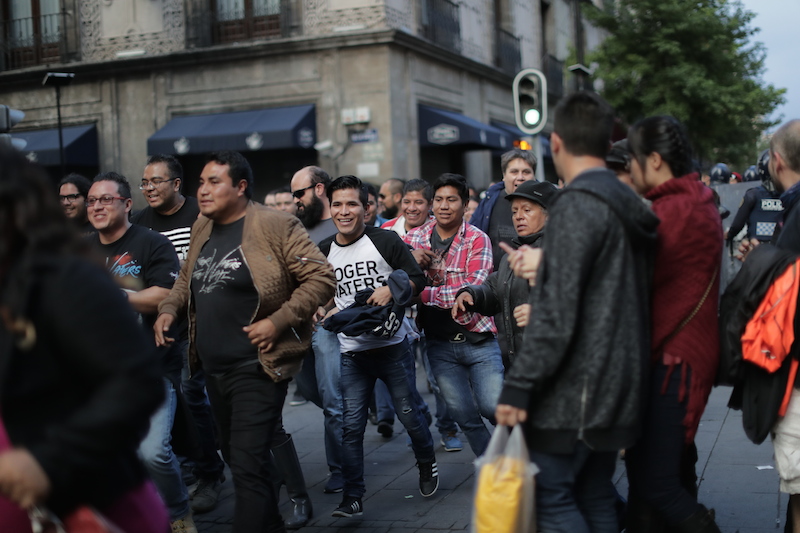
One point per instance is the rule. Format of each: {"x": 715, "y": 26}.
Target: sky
{"x": 778, "y": 21}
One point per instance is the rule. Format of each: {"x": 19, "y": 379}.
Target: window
{"x": 241, "y": 20}
{"x": 32, "y": 31}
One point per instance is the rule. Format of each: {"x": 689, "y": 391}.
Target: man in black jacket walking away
{"x": 576, "y": 384}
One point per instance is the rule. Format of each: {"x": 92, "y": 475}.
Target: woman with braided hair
{"x": 684, "y": 342}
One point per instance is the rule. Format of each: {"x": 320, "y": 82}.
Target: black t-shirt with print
{"x": 140, "y": 259}
{"x": 225, "y": 300}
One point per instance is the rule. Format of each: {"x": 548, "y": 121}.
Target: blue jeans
{"x": 383, "y": 402}
{"x": 209, "y": 465}
{"x": 359, "y": 372}
{"x": 575, "y": 492}
{"x": 444, "y": 422}
{"x": 327, "y": 356}
{"x": 468, "y": 373}
{"x": 160, "y": 461}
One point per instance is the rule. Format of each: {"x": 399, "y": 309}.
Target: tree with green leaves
{"x": 693, "y": 60}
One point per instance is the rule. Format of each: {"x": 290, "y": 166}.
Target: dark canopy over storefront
{"x": 80, "y": 146}
{"x": 438, "y": 127}
{"x": 243, "y": 131}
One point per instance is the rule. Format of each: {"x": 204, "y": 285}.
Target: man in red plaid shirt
{"x": 464, "y": 354}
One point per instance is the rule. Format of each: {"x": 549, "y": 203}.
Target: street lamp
{"x": 58, "y": 80}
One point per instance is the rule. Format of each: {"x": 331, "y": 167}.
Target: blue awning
{"x": 243, "y": 131}
{"x": 517, "y": 133}
{"x": 446, "y": 128}
{"x": 80, "y": 145}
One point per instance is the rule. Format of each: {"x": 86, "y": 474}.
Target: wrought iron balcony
{"x": 440, "y": 23}
{"x": 233, "y": 21}
{"x": 506, "y": 51}
{"x": 31, "y": 41}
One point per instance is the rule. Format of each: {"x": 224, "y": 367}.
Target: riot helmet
{"x": 720, "y": 173}
{"x": 751, "y": 174}
{"x": 763, "y": 171}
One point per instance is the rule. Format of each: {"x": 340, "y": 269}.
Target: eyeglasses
{"x": 69, "y": 198}
{"x": 153, "y": 183}
{"x": 104, "y": 200}
{"x": 300, "y": 192}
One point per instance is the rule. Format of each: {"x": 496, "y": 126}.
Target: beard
{"x": 390, "y": 212}
{"x": 310, "y": 214}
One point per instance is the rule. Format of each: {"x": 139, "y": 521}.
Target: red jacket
{"x": 688, "y": 257}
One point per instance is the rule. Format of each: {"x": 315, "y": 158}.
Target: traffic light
{"x": 8, "y": 119}
{"x": 530, "y": 100}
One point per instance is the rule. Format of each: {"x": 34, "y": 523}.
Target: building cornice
{"x": 98, "y": 70}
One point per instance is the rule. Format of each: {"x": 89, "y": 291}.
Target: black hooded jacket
{"x": 580, "y": 367}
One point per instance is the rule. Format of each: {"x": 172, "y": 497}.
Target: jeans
{"x": 575, "y": 491}
{"x": 655, "y": 464}
{"x": 247, "y": 406}
{"x": 359, "y": 372}
{"x": 209, "y": 466}
{"x": 383, "y": 399}
{"x": 327, "y": 357}
{"x": 161, "y": 463}
{"x": 444, "y": 422}
{"x": 468, "y": 373}
{"x": 383, "y": 402}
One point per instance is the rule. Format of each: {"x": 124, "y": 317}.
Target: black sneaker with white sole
{"x": 428, "y": 478}
{"x": 349, "y": 507}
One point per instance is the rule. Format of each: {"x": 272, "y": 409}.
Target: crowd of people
{"x": 586, "y": 313}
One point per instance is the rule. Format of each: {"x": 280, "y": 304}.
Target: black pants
{"x": 654, "y": 464}
{"x": 247, "y": 407}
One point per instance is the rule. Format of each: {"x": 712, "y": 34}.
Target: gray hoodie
{"x": 580, "y": 367}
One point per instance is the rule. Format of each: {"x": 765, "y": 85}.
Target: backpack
{"x": 757, "y": 323}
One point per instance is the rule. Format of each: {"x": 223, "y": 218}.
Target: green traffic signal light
{"x": 530, "y": 100}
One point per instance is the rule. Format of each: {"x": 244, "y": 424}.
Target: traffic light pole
{"x": 62, "y": 159}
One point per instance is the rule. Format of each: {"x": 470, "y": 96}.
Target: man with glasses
{"x": 172, "y": 214}
{"x": 145, "y": 265}
{"x": 72, "y": 191}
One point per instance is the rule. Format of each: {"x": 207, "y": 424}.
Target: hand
{"x": 318, "y": 316}
{"x": 22, "y": 479}
{"x": 745, "y": 247}
{"x": 423, "y": 257}
{"x": 330, "y": 313}
{"x": 522, "y": 314}
{"x": 162, "y": 325}
{"x": 524, "y": 261}
{"x": 460, "y": 304}
{"x": 506, "y": 415}
{"x": 380, "y": 296}
{"x": 262, "y": 334}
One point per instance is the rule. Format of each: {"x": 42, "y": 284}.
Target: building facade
{"x": 375, "y": 88}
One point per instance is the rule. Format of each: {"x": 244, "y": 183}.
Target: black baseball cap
{"x": 541, "y": 192}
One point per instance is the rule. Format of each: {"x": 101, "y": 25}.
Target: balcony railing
{"x": 507, "y": 55}
{"x": 239, "y": 21}
{"x": 440, "y": 23}
{"x": 31, "y": 41}
{"x": 554, "y": 72}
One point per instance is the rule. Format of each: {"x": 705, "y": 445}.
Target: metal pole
{"x": 60, "y": 133}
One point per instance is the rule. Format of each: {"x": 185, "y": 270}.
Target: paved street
{"x": 737, "y": 479}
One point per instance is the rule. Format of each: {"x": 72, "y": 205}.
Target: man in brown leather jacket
{"x": 251, "y": 283}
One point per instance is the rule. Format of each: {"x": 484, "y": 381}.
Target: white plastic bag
{"x": 504, "y": 492}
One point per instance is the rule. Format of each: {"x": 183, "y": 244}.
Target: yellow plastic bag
{"x": 505, "y": 488}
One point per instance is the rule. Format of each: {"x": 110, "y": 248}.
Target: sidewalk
{"x": 732, "y": 479}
